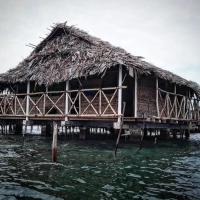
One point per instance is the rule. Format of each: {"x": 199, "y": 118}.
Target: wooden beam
{"x": 136, "y": 96}
{"x": 120, "y": 93}
{"x": 27, "y": 100}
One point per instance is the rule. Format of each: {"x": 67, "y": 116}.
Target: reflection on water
{"x": 169, "y": 170}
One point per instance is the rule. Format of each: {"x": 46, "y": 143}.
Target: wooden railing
{"x": 177, "y": 106}
{"x": 84, "y": 102}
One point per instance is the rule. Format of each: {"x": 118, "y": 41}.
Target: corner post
{"x": 66, "y": 101}
{"x": 175, "y": 103}
{"x": 189, "y": 101}
{"x": 27, "y": 99}
{"x": 157, "y": 99}
{"x": 119, "y": 94}
{"x": 136, "y": 96}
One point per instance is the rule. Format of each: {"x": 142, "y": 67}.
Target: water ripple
{"x": 170, "y": 170}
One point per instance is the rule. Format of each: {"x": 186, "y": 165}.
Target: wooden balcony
{"x": 176, "y": 106}
{"x": 93, "y": 103}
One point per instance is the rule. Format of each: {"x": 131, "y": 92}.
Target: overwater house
{"x": 80, "y": 80}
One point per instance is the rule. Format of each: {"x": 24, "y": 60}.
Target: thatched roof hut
{"x": 68, "y": 53}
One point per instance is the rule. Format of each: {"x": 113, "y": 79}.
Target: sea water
{"x": 88, "y": 170}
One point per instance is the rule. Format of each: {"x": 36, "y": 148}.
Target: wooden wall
{"x": 146, "y": 96}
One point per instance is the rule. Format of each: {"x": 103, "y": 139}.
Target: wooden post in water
{"x": 84, "y": 132}
{"x": 121, "y": 127}
{"x": 18, "y": 127}
{"x": 54, "y": 142}
{"x": 174, "y": 133}
{"x": 187, "y": 132}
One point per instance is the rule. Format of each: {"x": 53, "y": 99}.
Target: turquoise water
{"x": 87, "y": 170}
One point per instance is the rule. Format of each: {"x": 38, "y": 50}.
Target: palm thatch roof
{"x": 68, "y": 52}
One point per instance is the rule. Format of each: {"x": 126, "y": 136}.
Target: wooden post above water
{"x": 27, "y": 100}
{"x": 157, "y": 98}
{"x": 119, "y": 93}
{"x": 66, "y": 101}
{"x": 136, "y": 96}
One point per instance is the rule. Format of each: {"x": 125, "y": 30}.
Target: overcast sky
{"x": 165, "y": 32}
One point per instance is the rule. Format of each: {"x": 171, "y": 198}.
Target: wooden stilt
{"x": 3, "y": 129}
{"x": 156, "y": 137}
{"x": 24, "y": 128}
{"x": 143, "y": 133}
{"x": 18, "y": 128}
{"x": 164, "y": 134}
{"x": 31, "y": 129}
{"x": 54, "y": 142}
{"x": 155, "y": 140}
{"x": 9, "y": 128}
{"x": 6, "y": 129}
{"x": 174, "y": 133}
{"x": 83, "y": 133}
{"x": 120, "y": 130}
{"x": 187, "y": 133}
{"x": 181, "y": 134}
{"x": 43, "y": 130}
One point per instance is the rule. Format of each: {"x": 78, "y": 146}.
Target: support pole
{"x": 121, "y": 127}
{"x": 54, "y": 142}
{"x": 27, "y": 100}
{"x": 136, "y": 96}
{"x": 187, "y": 131}
{"x": 84, "y": 131}
{"x": 44, "y": 103}
{"x": 66, "y": 101}
{"x": 175, "y": 103}
{"x": 157, "y": 99}
{"x": 174, "y": 133}
{"x": 18, "y": 127}
{"x": 120, "y": 94}
{"x": 189, "y": 101}
{"x": 175, "y": 89}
